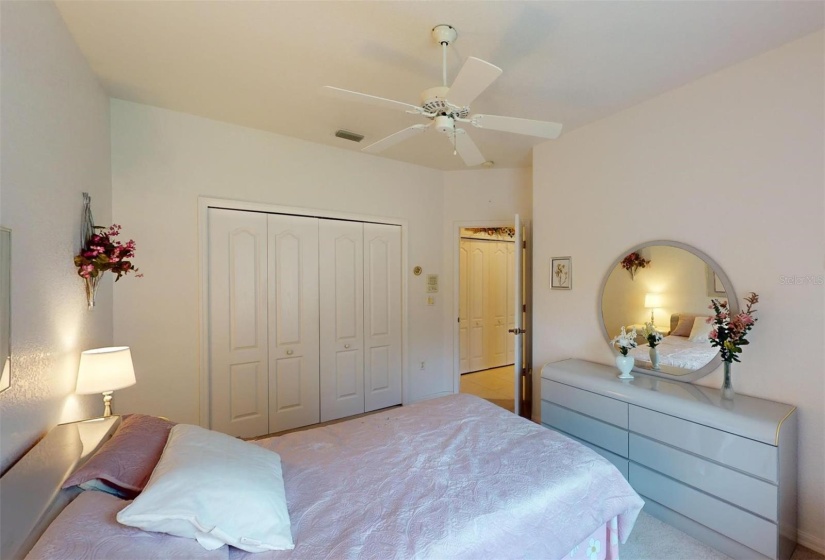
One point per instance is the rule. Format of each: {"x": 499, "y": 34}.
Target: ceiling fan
{"x": 445, "y": 106}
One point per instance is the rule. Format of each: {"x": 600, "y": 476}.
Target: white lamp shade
{"x": 653, "y": 301}
{"x": 105, "y": 369}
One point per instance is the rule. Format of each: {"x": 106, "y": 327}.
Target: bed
{"x": 454, "y": 477}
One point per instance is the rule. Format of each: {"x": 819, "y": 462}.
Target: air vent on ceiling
{"x": 347, "y": 135}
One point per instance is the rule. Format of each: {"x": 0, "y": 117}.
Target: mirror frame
{"x": 5, "y": 374}
{"x": 733, "y": 302}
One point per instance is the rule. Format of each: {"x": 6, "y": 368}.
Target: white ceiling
{"x": 260, "y": 64}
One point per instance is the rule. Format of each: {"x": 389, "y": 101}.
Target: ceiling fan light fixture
{"x": 347, "y": 135}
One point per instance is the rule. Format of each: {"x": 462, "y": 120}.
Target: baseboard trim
{"x": 815, "y": 543}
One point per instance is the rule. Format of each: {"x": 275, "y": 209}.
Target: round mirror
{"x": 670, "y": 285}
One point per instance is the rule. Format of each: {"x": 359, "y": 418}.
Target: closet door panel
{"x": 238, "y": 352}
{"x": 463, "y": 308}
{"x": 341, "y": 248}
{"x": 294, "y": 344}
{"x": 497, "y": 316}
{"x": 382, "y": 316}
{"x": 477, "y": 304}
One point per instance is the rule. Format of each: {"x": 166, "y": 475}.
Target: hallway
{"x": 495, "y": 385}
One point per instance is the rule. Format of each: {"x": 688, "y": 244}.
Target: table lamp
{"x": 104, "y": 370}
{"x": 652, "y": 301}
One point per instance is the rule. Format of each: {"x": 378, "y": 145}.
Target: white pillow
{"x": 701, "y": 329}
{"x": 216, "y": 489}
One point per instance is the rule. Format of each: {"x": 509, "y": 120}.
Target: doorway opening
{"x": 486, "y": 312}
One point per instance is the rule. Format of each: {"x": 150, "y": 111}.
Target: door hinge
{"x": 524, "y": 372}
{"x": 524, "y": 244}
{"x": 524, "y": 308}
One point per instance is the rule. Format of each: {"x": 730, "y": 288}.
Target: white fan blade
{"x": 542, "y": 129}
{"x": 467, "y": 149}
{"x": 370, "y": 99}
{"x": 473, "y": 78}
{"x": 394, "y": 139}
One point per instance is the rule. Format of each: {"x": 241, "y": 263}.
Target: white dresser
{"x": 721, "y": 471}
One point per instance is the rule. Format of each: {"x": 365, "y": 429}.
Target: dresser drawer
{"x": 618, "y": 462}
{"x": 598, "y": 406}
{"x": 589, "y": 429}
{"x": 740, "y": 453}
{"x": 742, "y": 490}
{"x": 748, "y": 529}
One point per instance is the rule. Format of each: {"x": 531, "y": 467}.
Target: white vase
{"x": 625, "y": 364}
{"x": 654, "y": 357}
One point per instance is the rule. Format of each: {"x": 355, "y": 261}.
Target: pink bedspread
{"x": 455, "y": 477}
{"x": 87, "y": 529}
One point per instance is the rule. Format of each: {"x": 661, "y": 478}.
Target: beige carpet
{"x": 652, "y": 539}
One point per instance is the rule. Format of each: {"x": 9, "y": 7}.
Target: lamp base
{"x": 107, "y": 404}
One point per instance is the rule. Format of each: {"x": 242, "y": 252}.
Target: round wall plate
{"x": 417, "y": 271}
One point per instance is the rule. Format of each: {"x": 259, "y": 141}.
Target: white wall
{"x": 54, "y": 130}
{"x": 733, "y": 165}
{"x": 163, "y": 160}
{"x": 475, "y": 197}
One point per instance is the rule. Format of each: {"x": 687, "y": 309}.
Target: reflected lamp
{"x": 653, "y": 301}
{"x": 104, "y": 370}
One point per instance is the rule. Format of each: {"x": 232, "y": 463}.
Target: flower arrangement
{"x": 653, "y": 336}
{"x": 633, "y": 262}
{"x": 729, "y": 332}
{"x": 102, "y": 253}
{"x": 625, "y": 341}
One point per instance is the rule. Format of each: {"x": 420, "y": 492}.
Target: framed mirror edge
{"x": 5, "y": 269}
{"x": 733, "y": 302}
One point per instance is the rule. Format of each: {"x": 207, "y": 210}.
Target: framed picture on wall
{"x": 715, "y": 287}
{"x": 561, "y": 273}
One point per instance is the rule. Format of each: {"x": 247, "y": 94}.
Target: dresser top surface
{"x": 750, "y": 417}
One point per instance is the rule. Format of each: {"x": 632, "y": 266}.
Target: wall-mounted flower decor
{"x": 633, "y": 262}
{"x": 101, "y": 253}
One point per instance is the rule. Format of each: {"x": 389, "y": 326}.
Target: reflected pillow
{"x": 123, "y": 464}
{"x": 701, "y": 329}
{"x": 216, "y": 489}
{"x": 684, "y": 326}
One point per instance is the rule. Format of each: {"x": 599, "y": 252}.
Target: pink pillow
{"x": 684, "y": 326}
{"x": 125, "y": 462}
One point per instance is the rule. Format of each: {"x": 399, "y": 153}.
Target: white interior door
{"x": 518, "y": 330}
{"x": 463, "y": 307}
{"x": 511, "y": 295}
{"x": 294, "y": 367}
{"x": 382, "y": 316}
{"x": 477, "y": 305}
{"x": 238, "y": 355}
{"x": 341, "y": 266}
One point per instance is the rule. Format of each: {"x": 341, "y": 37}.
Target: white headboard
{"x": 30, "y": 493}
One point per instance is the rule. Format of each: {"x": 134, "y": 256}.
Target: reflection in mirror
{"x": 5, "y": 308}
{"x": 673, "y": 291}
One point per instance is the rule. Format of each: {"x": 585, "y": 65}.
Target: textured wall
{"x": 733, "y": 164}
{"x": 54, "y": 130}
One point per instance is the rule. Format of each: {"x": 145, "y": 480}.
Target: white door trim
{"x": 204, "y": 203}
{"x": 456, "y": 239}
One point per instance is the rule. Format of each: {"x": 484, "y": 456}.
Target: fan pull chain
{"x": 455, "y": 147}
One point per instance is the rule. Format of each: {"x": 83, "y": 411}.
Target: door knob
{"x": 289, "y": 352}
{"x": 516, "y": 331}
{"x": 346, "y": 345}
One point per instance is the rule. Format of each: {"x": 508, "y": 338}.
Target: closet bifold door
{"x": 382, "y": 316}
{"x": 293, "y": 322}
{"x": 341, "y": 267}
{"x": 238, "y": 354}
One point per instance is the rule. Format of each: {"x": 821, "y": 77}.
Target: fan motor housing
{"x": 444, "y": 124}
{"x": 434, "y": 100}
